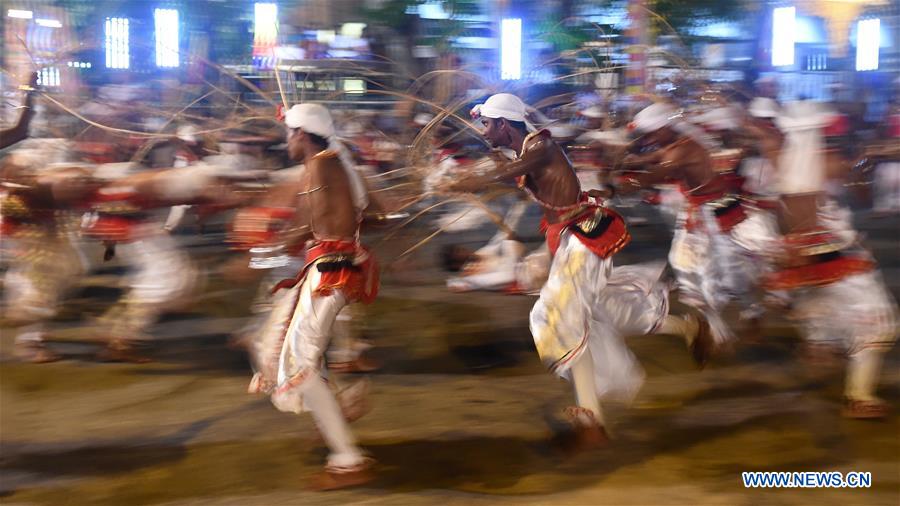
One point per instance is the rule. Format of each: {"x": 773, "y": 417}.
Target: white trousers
{"x": 585, "y": 306}
{"x": 161, "y": 278}
{"x": 712, "y": 269}
{"x": 299, "y": 385}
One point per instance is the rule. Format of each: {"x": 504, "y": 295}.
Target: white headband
{"x": 311, "y": 118}
{"x": 763, "y": 107}
{"x": 720, "y": 118}
{"x": 654, "y": 117}
{"x": 506, "y": 106}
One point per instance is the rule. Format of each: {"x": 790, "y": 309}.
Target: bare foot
{"x": 35, "y": 352}
{"x": 584, "y": 434}
{"x": 333, "y": 479}
{"x": 866, "y": 410}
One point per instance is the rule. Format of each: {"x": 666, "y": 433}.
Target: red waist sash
{"x": 343, "y": 265}
{"x": 601, "y": 230}
{"x": 727, "y": 209}
{"x": 113, "y": 228}
{"x": 822, "y": 270}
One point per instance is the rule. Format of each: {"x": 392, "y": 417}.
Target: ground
{"x": 463, "y": 410}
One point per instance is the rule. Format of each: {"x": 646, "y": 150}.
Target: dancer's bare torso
{"x": 549, "y": 176}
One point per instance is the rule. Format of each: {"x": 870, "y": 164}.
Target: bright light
{"x": 16, "y": 13}
{"x": 354, "y": 30}
{"x": 49, "y": 23}
{"x": 117, "y": 50}
{"x": 48, "y": 76}
{"x": 354, "y": 86}
{"x": 265, "y": 34}
{"x": 868, "y": 36}
{"x": 325, "y": 36}
{"x": 511, "y": 48}
{"x": 166, "y": 22}
{"x": 265, "y": 28}
{"x": 783, "y": 25}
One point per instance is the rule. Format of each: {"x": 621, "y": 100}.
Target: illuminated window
{"x": 868, "y": 37}
{"x": 354, "y": 30}
{"x": 49, "y": 23}
{"x": 17, "y": 13}
{"x": 354, "y": 86}
{"x": 511, "y": 48}
{"x": 166, "y": 22}
{"x": 117, "y": 50}
{"x": 325, "y": 36}
{"x": 783, "y": 25}
{"x": 48, "y": 76}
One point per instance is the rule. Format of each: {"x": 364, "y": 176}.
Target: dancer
{"x": 709, "y": 264}
{"x": 338, "y": 270}
{"x": 576, "y": 334}
{"x": 837, "y": 293}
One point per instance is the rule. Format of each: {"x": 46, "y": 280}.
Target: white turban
{"x": 594, "y": 111}
{"x": 187, "y": 133}
{"x": 506, "y": 106}
{"x": 423, "y": 118}
{"x": 654, "y": 117}
{"x": 311, "y": 118}
{"x": 763, "y": 107}
{"x": 721, "y": 118}
{"x": 660, "y": 115}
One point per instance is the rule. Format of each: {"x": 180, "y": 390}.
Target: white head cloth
{"x": 660, "y": 115}
{"x": 311, "y": 118}
{"x": 594, "y": 111}
{"x": 654, "y": 117}
{"x": 801, "y": 166}
{"x": 763, "y": 107}
{"x": 506, "y": 106}
{"x": 423, "y": 118}
{"x": 315, "y": 119}
{"x": 614, "y": 137}
{"x": 721, "y": 118}
{"x": 187, "y": 133}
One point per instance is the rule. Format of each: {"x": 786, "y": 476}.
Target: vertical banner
{"x": 636, "y": 39}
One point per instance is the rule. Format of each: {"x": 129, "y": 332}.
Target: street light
{"x": 868, "y": 38}
{"x": 783, "y": 26}
{"x": 166, "y": 22}
{"x": 511, "y": 48}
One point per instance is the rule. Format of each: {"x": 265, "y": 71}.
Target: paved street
{"x": 463, "y": 409}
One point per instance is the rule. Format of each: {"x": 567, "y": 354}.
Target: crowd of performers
{"x": 757, "y": 226}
